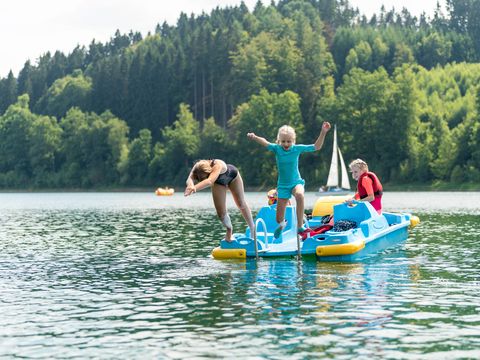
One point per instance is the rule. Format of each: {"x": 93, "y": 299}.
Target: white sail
{"x": 332, "y": 180}
{"x": 345, "y": 181}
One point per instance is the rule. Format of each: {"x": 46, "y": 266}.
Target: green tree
{"x": 265, "y": 62}
{"x": 434, "y": 49}
{"x": 139, "y": 158}
{"x": 15, "y": 132}
{"x": 263, "y": 114}
{"x": 72, "y": 90}
{"x": 374, "y": 115}
{"x": 8, "y": 92}
{"x": 44, "y": 148}
{"x": 93, "y": 147}
{"x": 213, "y": 141}
{"x": 402, "y": 55}
{"x": 181, "y": 146}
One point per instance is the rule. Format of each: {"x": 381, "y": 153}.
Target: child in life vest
{"x": 369, "y": 188}
{"x": 289, "y": 181}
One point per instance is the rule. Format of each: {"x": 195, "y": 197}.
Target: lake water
{"x": 129, "y": 275}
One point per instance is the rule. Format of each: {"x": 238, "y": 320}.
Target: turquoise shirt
{"x": 287, "y": 162}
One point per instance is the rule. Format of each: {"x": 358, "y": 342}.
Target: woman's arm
{"x": 190, "y": 189}
{"x": 319, "y": 142}
{"x": 260, "y": 140}
{"x": 209, "y": 181}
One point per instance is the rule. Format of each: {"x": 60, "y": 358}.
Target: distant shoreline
{"x": 436, "y": 187}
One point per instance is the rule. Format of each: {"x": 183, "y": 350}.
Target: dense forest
{"x": 137, "y": 111}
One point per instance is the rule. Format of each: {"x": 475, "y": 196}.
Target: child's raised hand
{"x": 326, "y": 126}
{"x": 251, "y": 135}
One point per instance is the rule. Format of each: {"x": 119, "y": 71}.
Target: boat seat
{"x": 366, "y": 217}
{"x": 268, "y": 215}
{"x": 358, "y": 213}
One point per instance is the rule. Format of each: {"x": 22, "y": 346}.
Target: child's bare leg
{"x": 280, "y": 217}
{"x": 281, "y": 206}
{"x": 299, "y": 194}
{"x": 219, "y": 193}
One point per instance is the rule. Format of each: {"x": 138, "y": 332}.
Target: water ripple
{"x": 128, "y": 280}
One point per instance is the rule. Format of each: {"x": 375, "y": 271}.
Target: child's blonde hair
{"x": 358, "y": 163}
{"x": 202, "y": 169}
{"x": 286, "y": 130}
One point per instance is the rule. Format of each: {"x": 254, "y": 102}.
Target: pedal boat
{"x": 372, "y": 234}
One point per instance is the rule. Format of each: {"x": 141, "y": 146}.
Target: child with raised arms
{"x": 290, "y": 182}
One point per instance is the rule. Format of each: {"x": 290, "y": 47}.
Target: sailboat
{"x": 334, "y": 186}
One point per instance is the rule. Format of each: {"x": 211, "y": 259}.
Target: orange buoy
{"x": 164, "y": 191}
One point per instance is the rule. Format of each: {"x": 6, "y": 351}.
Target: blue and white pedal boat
{"x": 372, "y": 234}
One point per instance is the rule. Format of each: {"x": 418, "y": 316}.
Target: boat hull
{"x": 373, "y": 233}
{"x": 372, "y": 246}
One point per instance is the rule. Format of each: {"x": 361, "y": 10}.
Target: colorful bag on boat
{"x": 317, "y": 231}
{"x": 344, "y": 225}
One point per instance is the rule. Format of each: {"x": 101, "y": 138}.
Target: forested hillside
{"x": 137, "y": 111}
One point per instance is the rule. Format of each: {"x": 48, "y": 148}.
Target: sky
{"x": 30, "y": 28}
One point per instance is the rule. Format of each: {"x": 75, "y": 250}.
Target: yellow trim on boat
{"x": 324, "y": 204}
{"x": 221, "y": 254}
{"x": 414, "y": 221}
{"x": 341, "y": 249}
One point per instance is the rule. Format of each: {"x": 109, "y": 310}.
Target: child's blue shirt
{"x": 287, "y": 162}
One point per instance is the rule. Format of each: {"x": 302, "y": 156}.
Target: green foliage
{"x": 29, "y": 146}
{"x": 15, "y": 133}
{"x": 181, "y": 146}
{"x": 139, "y": 158}
{"x": 93, "y": 147}
{"x": 265, "y": 62}
{"x": 44, "y": 149}
{"x": 375, "y": 114}
{"x": 264, "y": 114}
{"x": 213, "y": 142}
{"x": 8, "y": 92}
{"x": 434, "y": 49}
{"x": 72, "y": 90}
{"x": 403, "y": 91}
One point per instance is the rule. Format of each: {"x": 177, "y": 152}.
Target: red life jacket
{"x": 377, "y": 190}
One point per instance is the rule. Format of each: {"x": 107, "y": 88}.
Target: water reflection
{"x": 138, "y": 282}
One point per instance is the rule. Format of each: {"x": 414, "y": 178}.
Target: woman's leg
{"x": 237, "y": 189}
{"x": 299, "y": 194}
{"x": 219, "y": 193}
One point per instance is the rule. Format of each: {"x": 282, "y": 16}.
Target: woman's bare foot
{"x": 228, "y": 235}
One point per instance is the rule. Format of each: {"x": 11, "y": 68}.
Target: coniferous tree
{"x": 8, "y": 91}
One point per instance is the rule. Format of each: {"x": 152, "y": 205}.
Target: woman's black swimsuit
{"x": 228, "y": 176}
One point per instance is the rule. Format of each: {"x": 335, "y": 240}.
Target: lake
{"x": 129, "y": 275}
